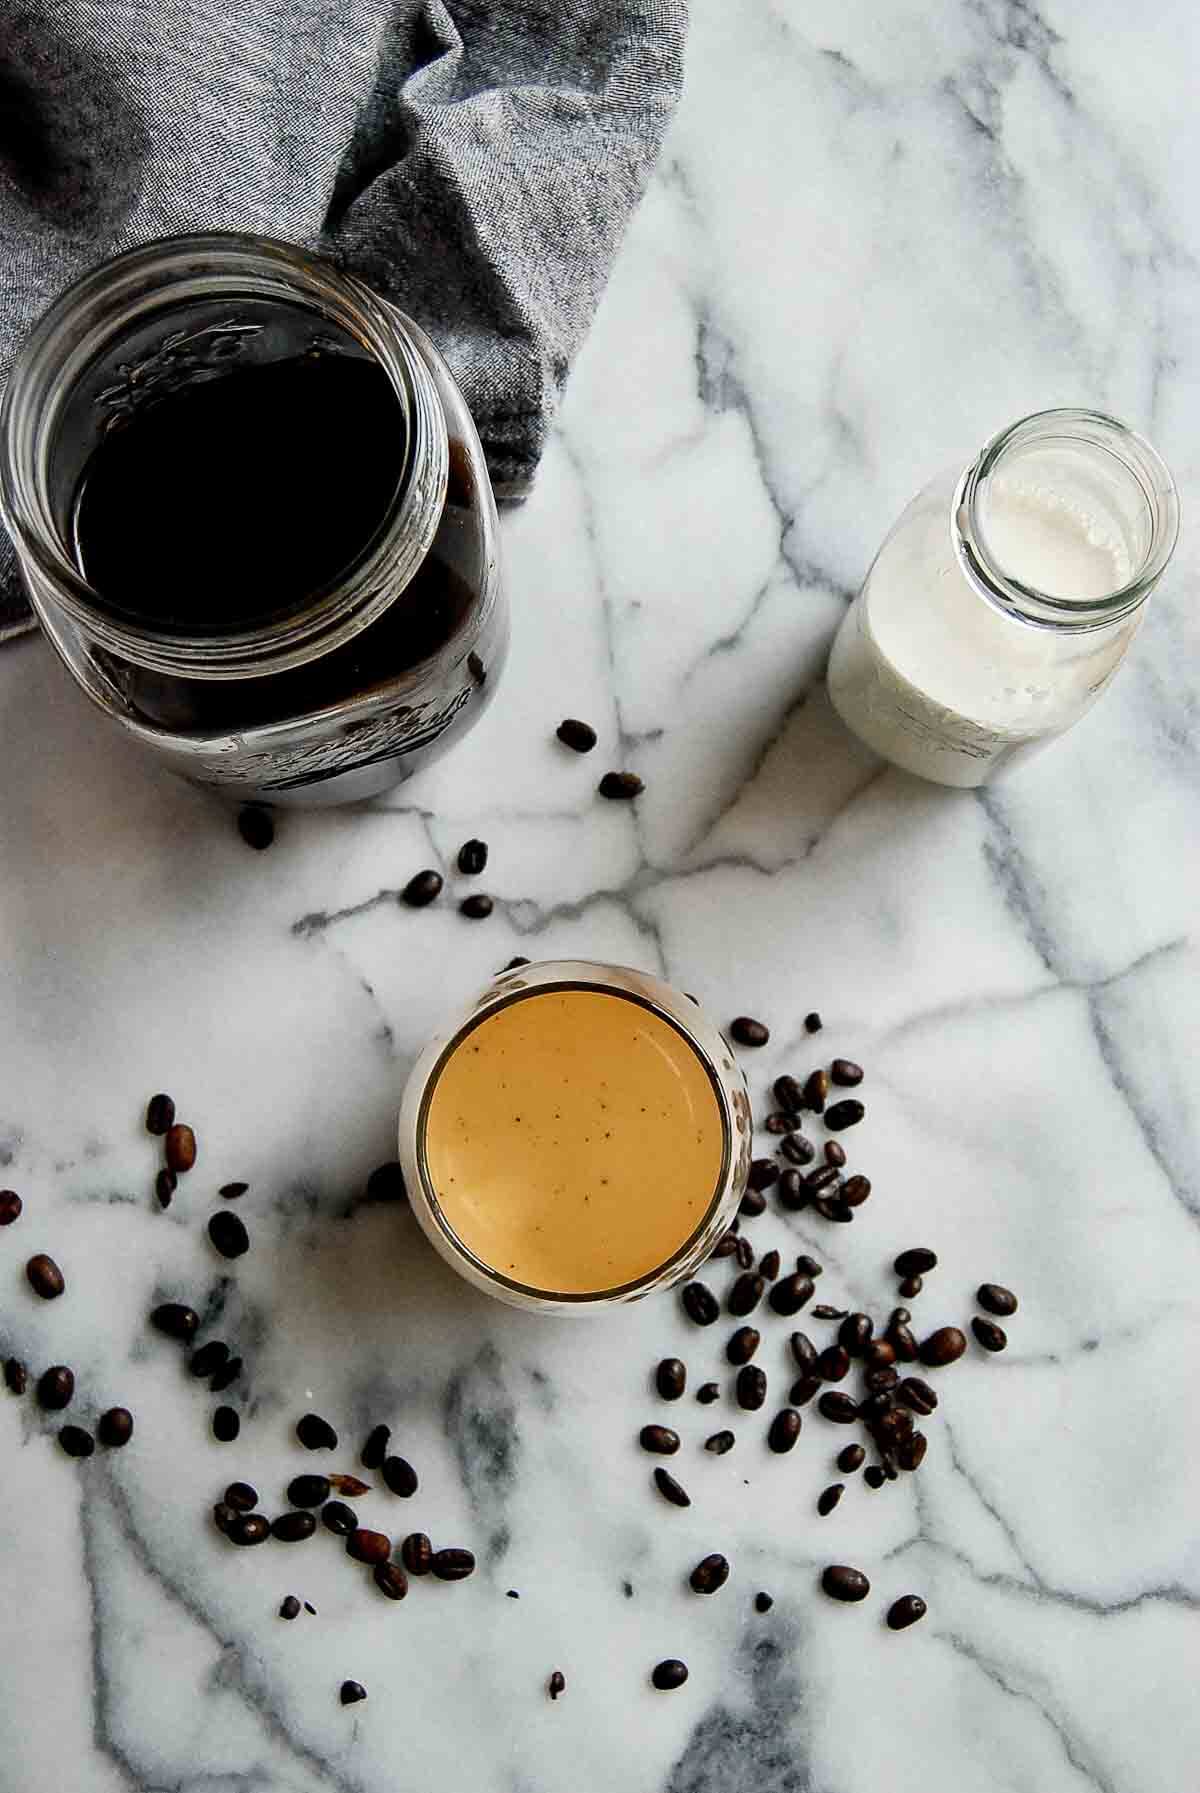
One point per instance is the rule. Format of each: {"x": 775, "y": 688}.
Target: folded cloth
{"x": 474, "y": 160}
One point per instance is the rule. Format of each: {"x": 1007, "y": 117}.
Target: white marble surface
{"x": 878, "y": 234}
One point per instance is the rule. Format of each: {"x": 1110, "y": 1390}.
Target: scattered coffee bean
{"x": 243, "y": 1498}
{"x": 516, "y": 964}
{"x": 232, "y": 1192}
{"x": 368, "y": 1546}
{"x": 843, "y": 1583}
{"x": 659, "y": 1439}
{"x": 804, "y": 1352}
{"x": 784, "y": 1431}
{"x": 753, "y": 1203}
{"x": 823, "y": 1180}
{"x": 893, "y": 1430}
{"x": 917, "y": 1261}
{"x": 228, "y": 1233}
{"x": 707, "y": 1393}
{"x": 835, "y": 1153}
{"x": 304, "y": 1491}
{"x": 833, "y": 1363}
{"x": 911, "y": 1287}
{"x": 829, "y": 1497}
{"x": 873, "y": 1476}
{"x": 56, "y": 1388}
{"x": 822, "y": 1207}
{"x": 837, "y": 1210}
{"x": 846, "y": 1073}
{"x": 416, "y": 1553}
{"x": 719, "y": 1443}
{"x": 792, "y": 1193}
{"x": 452, "y": 1565}
{"x": 744, "y": 1030}
{"x": 891, "y": 1473}
{"x": 290, "y": 1608}
{"x": 338, "y": 1518}
{"x": 880, "y": 1354}
{"x": 76, "y": 1442}
{"x": 990, "y": 1295}
{"x": 400, "y": 1476}
{"x": 905, "y": 1612}
{"x": 879, "y": 1380}
{"x": 309, "y": 1607}
{"x": 165, "y": 1185}
{"x": 423, "y": 889}
{"x": 176, "y": 1321}
{"x": 816, "y": 1091}
{"x": 209, "y": 1359}
{"x": 746, "y": 1294}
{"x": 225, "y": 1517}
{"x": 917, "y": 1394}
{"x": 745, "y": 1255}
{"x": 668, "y": 1675}
{"x": 899, "y": 1316}
{"x": 763, "y": 1172}
{"x": 903, "y": 1343}
{"x": 256, "y": 826}
{"x": 349, "y": 1485}
{"x": 700, "y": 1304}
{"x": 803, "y": 1390}
{"x": 875, "y": 1405}
{"x": 160, "y": 1115}
{"x": 779, "y": 1122}
{"x": 556, "y": 1684}
{"x": 620, "y": 787}
{"x": 789, "y": 1094}
{"x": 989, "y": 1335}
{"x": 711, "y": 1573}
{"x": 16, "y": 1376}
{"x": 910, "y": 1452}
{"x": 751, "y": 1389}
{"x": 580, "y": 737}
{"x": 351, "y": 1692}
{"x": 376, "y": 1447}
{"x": 225, "y": 1425}
{"x": 315, "y": 1433}
{"x": 790, "y": 1294}
{"x": 115, "y": 1428}
{"x": 293, "y": 1528}
{"x": 821, "y": 1312}
{"x": 813, "y": 1023}
{"x": 846, "y": 1113}
{"x": 799, "y": 1150}
{"x": 226, "y": 1376}
{"x": 248, "y": 1528}
{"x": 855, "y": 1190}
{"x": 839, "y": 1408}
{"x": 942, "y": 1347}
{"x": 855, "y": 1333}
{"x": 180, "y": 1148}
{"x": 472, "y": 858}
{"x": 386, "y": 1183}
{"x": 10, "y": 1207}
{"x": 725, "y": 1246}
{"x": 391, "y": 1580}
{"x": 742, "y": 1345}
{"x": 670, "y": 1490}
{"x": 45, "y": 1277}
{"x": 670, "y": 1378}
{"x": 763, "y": 1602}
{"x": 769, "y": 1265}
{"x": 808, "y": 1266}
{"x": 851, "y": 1458}
{"x": 476, "y": 908}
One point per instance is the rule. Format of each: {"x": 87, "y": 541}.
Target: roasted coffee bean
{"x": 349, "y": 1485}
{"x": 911, "y": 1287}
{"x": 243, "y": 1498}
{"x": 813, "y": 1023}
{"x": 917, "y": 1394}
{"x": 873, "y": 1476}
{"x": 293, "y": 1528}
{"x": 10, "y": 1207}
{"x": 855, "y": 1333}
{"x": 719, "y": 1443}
{"x": 816, "y": 1091}
{"x": 290, "y": 1608}
{"x": 228, "y": 1233}
{"x": 416, "y": 1553}
{"x": 905, "y": 1612}
{"x": 808, "y": 1266}
{"x": 910, "y": 1452}
{"x": 785, "y": 1430}
{"x": 837, "y": 1210}
{"x": 804, "y": 1352}
{"x": 232, "y": 1192}
{"x": 803, "y": 1390}
{"x": 76, "y": 1442}
{"x": 225, "y": 1425}
{"x": 472, "y": 858}
{"x": 115, "y": 1428}
{"x": 917, "y": 1261}
{"x": 846, "y": 1073}
{"x": 315, "y": 1433}
{"x": 823, "y": 1180}
{"x": 305, "y": 1491}
{"x": 707, "y": 1393}
{"x": 56, "y": 1388}
{"x": 763, "y": 1602}
{"x": 989, "y": 1335}
{"x": 659, "y": 1439}
{"x": 744, "y": 1030}
{"x": 391, "y": 1580}
{"x": 779, "y": 1122}
{"x": 751, "y": 1388}
{"x": 891, "y": 1473}
{"x": 942, "y": 1347}
{"x": 368, "y": 1546}
{"x": 789, "y": 1094}
{"x": 822, "y": 1207}
{"x": 256, "y": 826}
{"x": 580, "y": 737}
{"x": 180, "y": 1148}
{"x": 851, "y": 1458}
{"x": 990, "y": 1295}
{"x": 376, "y": 1447}
{"x": 670, "y": 1378}
{"x": 386, "y": 1183}
{"x": 746, "y": 1294}
{"x": 668, "y": 1675}
{"x": 874, "y": 1405}
{"x": 45, "y": 1277}
{"x": 745, "y": 1255}
{"x": 160, "y": 1115}
{"x": 351, "y": 1692}
{"x": 16, "y": 1376}
{"x": 768, "y": 1265}
{"x": 516, "y": 964}
{"x": 453, "y": 1565}
{"x": 839, "y": 1408}
{"x": 821, "y": 1312}
{"x": 835, "y": 1154}
{"x": 799, "y": 1150}
{"x": 903, "y": 1343}
{"x": 400, "y": 1476}
{"x": 829, "y": 1497}
{"x": 855, "y": 1190}
{"x": 879, "y": 1354}
{"x": 792, "y": 1193}
{"x": 556, "y": 1684}
{"x": 620, "y": 787}
{"x": 249, "y": 1528}
{"x": 711, "y": 1573}
{"x": 670, "y": 1490}
{"x": 880, "y": 1380}
{"x": 225, "y": 1517}
{"x": 843, "y": 1583}
{"x": 226, "y": 1376}
{"x": 899, "y": 1316}
{"x": 742, "y": 1345}
{"x": 476, "y": 908}
{"x": 338, "y": 1518}
{"x": 833, "y": 1363}
{"x": 700, "y": 1304}
{"x": 892, "y": 1429}
{"x": 790, "y": 1294}
{"x": 165, "y": 1185}
{"x": 423, "y": 889}
{"x": 209, "y": 1359}
{"x": 763, "y": 1172}
{"x": 753, "y": 1203}
{"x": 846, "y": 1113}
{"x": 725, "y": 1246}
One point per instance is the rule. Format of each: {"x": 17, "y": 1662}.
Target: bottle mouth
{"x": 1066, "y": 520}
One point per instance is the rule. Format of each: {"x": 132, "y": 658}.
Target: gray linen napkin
{"x": 474, "y": 160}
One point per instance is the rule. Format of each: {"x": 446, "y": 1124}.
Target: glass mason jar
{"x": 353, "y": 686}
{"x": 698, "y": 1038}
{"x": 1005, "y": 597}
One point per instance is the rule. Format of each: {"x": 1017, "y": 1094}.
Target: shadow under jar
{"x": 580, "y": 1138}
{"x": 253, "y": 516}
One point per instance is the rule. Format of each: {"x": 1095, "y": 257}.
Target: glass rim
{"x": 530, "y": 1292}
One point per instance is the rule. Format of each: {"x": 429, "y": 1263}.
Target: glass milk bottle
{"x": 1005, "y": 598}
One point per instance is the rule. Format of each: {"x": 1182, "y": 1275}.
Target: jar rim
{"x": 1024, "y": 601}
